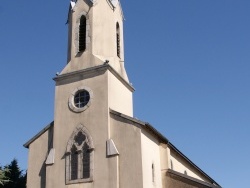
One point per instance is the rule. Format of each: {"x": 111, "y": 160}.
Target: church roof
{"x": 162, "y": 139}
{"x": 26, "y": 145}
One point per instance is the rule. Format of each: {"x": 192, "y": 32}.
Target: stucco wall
{"x": 127, "y": 139}
{"x": 120, "y": 97}
{"x": 150, "y": 156}
{"x": 175, "y": 183}
{"x": 180, "y": 165}
{"x": 164, "y": 157}
{"x": 94, "y": 118}
{"x": 38, "y": 151}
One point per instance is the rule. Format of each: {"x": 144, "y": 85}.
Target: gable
{"x": 49, "y": 126}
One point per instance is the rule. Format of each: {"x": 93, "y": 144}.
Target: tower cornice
{"x": 97, "y": 70}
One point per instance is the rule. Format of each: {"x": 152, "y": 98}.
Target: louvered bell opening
{"x": 118, "y": 44}
{"x": 118, "y": 48}
{"x": 82, "y": 34}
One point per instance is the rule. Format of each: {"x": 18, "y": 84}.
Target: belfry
{"x": 94, "y": 140}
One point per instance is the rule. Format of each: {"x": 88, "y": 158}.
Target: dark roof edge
{"x": 209, "y": 185}
{"x": 194, "y": 165}
{"x": 127, "y": 117}
{"x": 162, "y": 139}
{"x": 26, "y": 145}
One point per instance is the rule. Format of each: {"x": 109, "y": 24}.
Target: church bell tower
{"x": 93, "y": 82}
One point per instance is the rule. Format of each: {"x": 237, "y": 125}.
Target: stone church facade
{"x": 94, "y": 141}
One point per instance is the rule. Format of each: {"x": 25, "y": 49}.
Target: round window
{"x": 80, "y": 99}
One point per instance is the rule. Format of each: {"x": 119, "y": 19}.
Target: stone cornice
{"x": 186, "y": 179}
{"x": 94, "y": 70}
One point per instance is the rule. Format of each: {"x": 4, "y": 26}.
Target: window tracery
{"x": 79, "y": 156}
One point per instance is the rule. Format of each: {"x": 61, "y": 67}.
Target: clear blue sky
{"x": 189, "y": 61}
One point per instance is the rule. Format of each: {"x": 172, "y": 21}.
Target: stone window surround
{"x": 89, "y": 141}
{"x": 72, "y": 96}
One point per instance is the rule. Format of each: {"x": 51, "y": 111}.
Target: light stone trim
{"x": 94, "y": 70}
{"x": 111, "y": 148}
{"x": 88, "y": 33}
{"x": 72, "y": 96}
{"x": 51, "y": 157}
{"x": 89, "y": 142}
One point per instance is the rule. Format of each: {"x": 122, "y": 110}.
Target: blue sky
{"x": 189, "y": 61}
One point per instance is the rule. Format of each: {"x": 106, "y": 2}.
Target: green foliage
{"x": 3, "y": 178}
{"x": 13, "y": 177}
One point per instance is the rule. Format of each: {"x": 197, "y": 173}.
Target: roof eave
{"x": 163, "y": 139}
{"x": 26, "y": 145}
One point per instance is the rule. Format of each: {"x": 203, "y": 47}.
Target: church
{"x": 94, "y": 140}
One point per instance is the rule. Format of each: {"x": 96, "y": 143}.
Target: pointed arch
{"x": 79, "y": 156}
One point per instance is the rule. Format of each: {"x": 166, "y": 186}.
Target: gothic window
{"x": 118, "y": 45}
{"x": 82, "y": 34}
{"x": 79, "y": 157}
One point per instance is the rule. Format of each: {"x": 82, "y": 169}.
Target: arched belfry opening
{"x": 118, "y": 40}
{"x": 82, "y": 34}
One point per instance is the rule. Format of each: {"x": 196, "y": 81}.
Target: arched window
{"x": 185, "y": 172}
{"x": 153, "y": 172}
{"x": 82, "y": 34}
{"x": 79, "y": 157}
{"x": 118, "y": 45}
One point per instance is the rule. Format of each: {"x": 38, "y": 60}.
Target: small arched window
{"x": 82, "y": 34}
{"x": 118, "y": 45}
{"x": 153, "y": 172}
{"x": 79, "y": 157}
{"x": 185, "y": 172}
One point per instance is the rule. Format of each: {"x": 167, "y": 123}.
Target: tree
{"x": 15, "y": 176}
{"x": 3, "y": 178}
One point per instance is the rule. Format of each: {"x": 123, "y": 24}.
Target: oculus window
{"x": 80, "y": 99}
